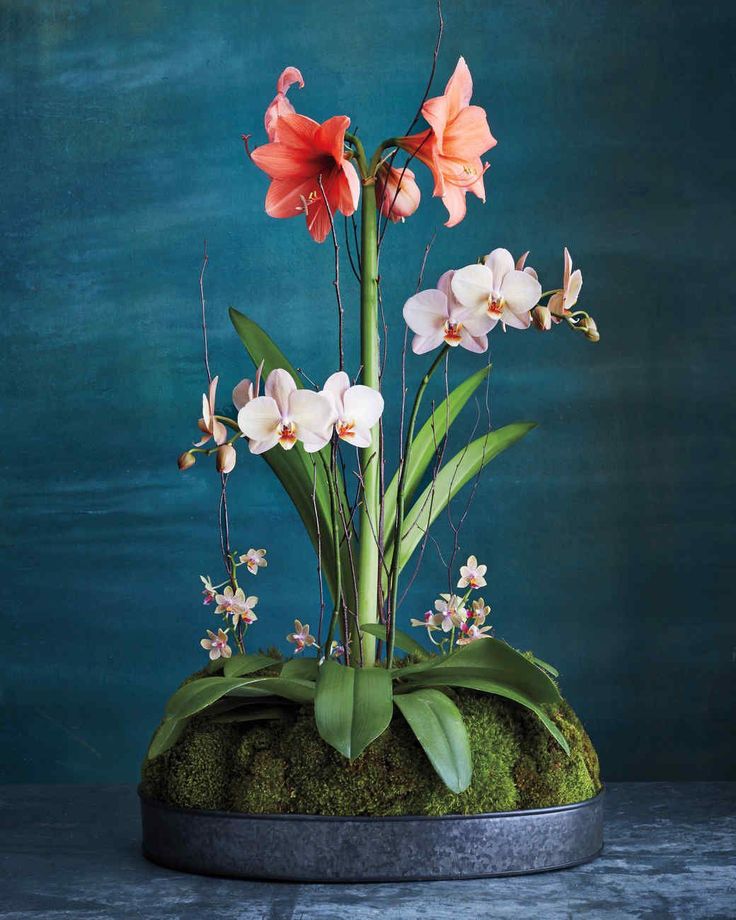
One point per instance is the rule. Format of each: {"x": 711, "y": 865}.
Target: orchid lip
{"x": 452, "y": 333}
{"x": 345, "y": 429}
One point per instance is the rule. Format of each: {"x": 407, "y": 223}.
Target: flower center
{"x": 287, "y": 434}
{"x": 496, "y": 304}
{"x": 345, "y": 429}
{"x": 452, "y": 333}
{"x": 469, "y": 170}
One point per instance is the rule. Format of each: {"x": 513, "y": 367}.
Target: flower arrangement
{"x": 326, "y": 446}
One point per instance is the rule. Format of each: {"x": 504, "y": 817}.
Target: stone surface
{"x": 74, "y": 851}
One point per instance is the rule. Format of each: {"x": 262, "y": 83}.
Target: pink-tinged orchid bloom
{"x": 459, "y": 137}
{"x": 561, "y": 303}
{"x": 254, "y": 560}
{"x": 472, "y": 574}
{"x": 397, "y": 193}
{"x": 450, "y": 612}
{"x": 498, "y": 290}
{"x": 209, "y": 589}
{"x": 208, "y": 424}
{"x": 286, "y": 415}
{"x": 300, "y": 637}
{"x": 471, "y": 633}
{"x": 480, "y": 611}
{"x": 281, "y": 105}
{"x": 217, "y": 645}
{"x": 436, "y": 317}
{"x": 247, "y": 390}
{"x": 236, "y": 605}
{"x": 356, "y": 409}
{"x": 304, "y": 153}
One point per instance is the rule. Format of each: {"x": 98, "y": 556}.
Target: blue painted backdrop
{"x": 608, "y": 532}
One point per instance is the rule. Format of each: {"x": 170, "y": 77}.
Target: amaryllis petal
{"x": 280, "y": 160}
{"x": 287, "y": 197}
{"x": 281, "y": 105}
{"x": 454, "y": 200}
{"x": 330, "y": 136}
{"x": 459, "y": 89}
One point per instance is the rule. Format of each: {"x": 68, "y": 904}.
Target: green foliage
{"x": 284, "y": 767}
{"x": 403, "y": 640}
{"x": 240, "y": 665}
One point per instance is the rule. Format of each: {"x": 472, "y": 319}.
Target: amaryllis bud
{"x": 397, "y": 193}
{"x": 186, "y": 460}
{"x": 226, "y": 457}
{"x": 542, "y": 318}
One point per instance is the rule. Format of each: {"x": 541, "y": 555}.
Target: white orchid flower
{"x": 286, "y": 415}
{"x": 562, "y": 301}
{"x": 237, "y": 605}
{"x": 498, "y": 290}
{"x": 356, "y": 409}
{"x": 216, "y": 645}
{"x": 472, "y": 574}
{"x": 436, "y": 317}
{"x": 450, "y": 612}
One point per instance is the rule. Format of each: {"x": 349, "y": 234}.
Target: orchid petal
{"x": 260, "y": 418}
{"x": 573, "y": 288}
{"x": 500, "y": 262}
{"x": 242, "y": 394}
{"x": 520, "y": 291}
{"x": 472, "y": 286}
{"x": 364, "y": 405}
{"x": 280, "y": 386}
{"x": 421, "y": 344}
{"x": 426, "y": 312}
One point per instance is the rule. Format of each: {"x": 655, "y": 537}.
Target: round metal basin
{"x": 311, "y": 848}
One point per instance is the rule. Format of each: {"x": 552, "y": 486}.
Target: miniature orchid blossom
{"x": 450, "y": 612}
{"x": 281, "y": 105}
{"x": 237, "y": 605}
{"x": 208, "y": 424}
{"x": 209, "y": 591}
{"x": 304, "y": 156}
{"x": 397, "y": 193}
{"x": 480, "y": 611}
{"x": 470, "y": 633}
{"x": 217, "y": 645}
{"x": 356, "y": 409}
{"x": 254, "y": 559}
{"x": 472, "y": 574}
{"x": 498, "y": 290}
{"x": 453, "y": 149}
{"x": 301, "y": 637}
{"x": 286, "y": 415}
{"x": 436, "y": 317}
{"x": 561, "y": 302}
{"x": 427, "y": 620}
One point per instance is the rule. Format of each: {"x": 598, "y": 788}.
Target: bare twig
{"x": 336, "y": 282}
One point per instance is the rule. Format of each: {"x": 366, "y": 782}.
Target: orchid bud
{"x": 226, "y": 457}
{"x": 186, "y": 460}
{"x": 396, "y": 192}
{"x": 542, "y": 318}
{"x": 591, "y": 330}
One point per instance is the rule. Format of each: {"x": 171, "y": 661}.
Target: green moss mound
{"x": 284, "y": 767}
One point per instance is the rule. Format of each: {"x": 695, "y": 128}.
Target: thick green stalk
{"x": 368, "y": 560}
{"x": 393, "y": 584}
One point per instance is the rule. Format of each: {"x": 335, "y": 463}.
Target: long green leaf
{"x": 352, "y": 706}
{"x": 202, "y": 693}
{"x": 439, "y": 728}
{"x": 545, "y": 666}
{"x": 290, "y": 688}
{"x": 403, "y": 640}
{"x": 302, "y": 668}
{"x": 252, "y": 714}
{"x": 166, "y": 736}
{"x": 240, "y": 665}
{"x": 426, "y": 443}
{"x": 451, "y": 478}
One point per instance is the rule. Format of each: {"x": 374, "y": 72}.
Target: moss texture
{"x": 284, "y": 767}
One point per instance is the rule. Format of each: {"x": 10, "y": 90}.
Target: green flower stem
{"x": 336, "y": 547}
{"x": 400, "y": 505}
{"x": 368, "y": 558}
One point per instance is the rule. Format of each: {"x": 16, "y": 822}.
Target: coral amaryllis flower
{"x": 300, "y": 637}
{"x": 281, "y": 105}
{"x": 460, "y": 136}
{"x": 472, "y": 574}
{"x": 498, "y": 290}
{"x": 562, "y": 301}
{"x": 286, "y": 415}
{"x": 305, "y": 152}
{"x": 397, "y": 194}
{"x": 217, "y": 645}
{"x": 208, "y": 424}
{"x": 436, "y": 317}
{"x": 356, "y": 409}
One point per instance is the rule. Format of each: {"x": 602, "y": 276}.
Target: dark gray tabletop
{"x": 73, "y": 851}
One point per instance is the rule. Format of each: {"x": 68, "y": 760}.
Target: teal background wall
{"x": 608, "y": 531}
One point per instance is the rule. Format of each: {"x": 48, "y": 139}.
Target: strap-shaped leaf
{"x": 166, "y": 736}
{"x": 439, "y": 728}
{"x": 451, "y": 478}
{"x": 252, "y": 714}
{"x": 240, "y": 665}
{"x": 426, "y": 443}
{"x": 202, "y": 693}
{"x": 290, "y": 688}
{"x": 403, "y": 640}
{"x": 302, "y": 668}
{"x": 545, "y": 666}
{"x": 352, "y": 706}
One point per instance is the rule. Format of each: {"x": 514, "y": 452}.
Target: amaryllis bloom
{"x": 436, "y": 317}
{"x": 300, "y": 637}
{"x": 254, "y": 559}
{"x": 226, "y": 458}
{"x": 459, "y": 137}
{"x": 209, "y": 589}
{"x": 450, "y": 612}
{"x": 305, "y": 152}
{"x": 356, "y": 409}
{"x": 237, "y": 605}
{"x": 471, "y": 574}
{"x": 286, "y": 415}
{"x": 561, "y": 302}
{"x": 281, "y": 105}
{"x": 469, "y": 633}
{"x": 498, "y": 290}
{"x": 397, "y": 194}
{"x": 217, "y": 645}
{"x": 208, "y": 424}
